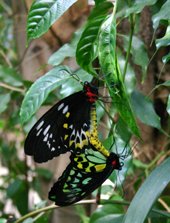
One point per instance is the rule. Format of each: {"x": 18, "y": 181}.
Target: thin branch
{"x": 7, "y": 86}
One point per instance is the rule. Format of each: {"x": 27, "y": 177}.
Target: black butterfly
{"x": 70, "y": 125}
{"x": 83, "y": 175}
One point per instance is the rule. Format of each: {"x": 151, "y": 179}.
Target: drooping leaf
{"x": 148, "y": 193}
{"x": 43, "y": 14}
{"x": 4, "y": 100}
{"x": 144, "y": 110}
{"x": 113, "y": 76}
{"x": 85, "y": 48}
{"x": 163, "y": 14}
{"x": 137, "y": 7}
{"x": 39, "y": 91}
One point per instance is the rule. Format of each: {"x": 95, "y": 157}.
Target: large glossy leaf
{"x": 137, "y": 7}
{"x": 43, "y": 14}
{"x": 163, "y": 14}
{"x": 113, "y": 76}
{"x": 39, "y": 91}
{"x": 148, "y": 193}
{"x": 85, "y": 47}
{"x": 144, "y": 110}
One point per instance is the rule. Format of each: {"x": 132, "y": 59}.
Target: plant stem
{"x": 130, "y": 42}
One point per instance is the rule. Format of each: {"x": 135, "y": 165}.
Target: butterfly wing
{"x": 82, "y": 176}
{"x": 61, "y": 129}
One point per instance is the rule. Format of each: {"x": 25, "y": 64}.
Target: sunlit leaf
{"x": 148, "y": 193}
{"x": 39, "y": 91}
{"x": 85, "y": 47}
{"x": 144, "y": 110}
{"x": 43, "y": 14}
{"x": 163, "y": 14}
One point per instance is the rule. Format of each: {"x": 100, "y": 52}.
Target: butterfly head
{"x": 91, "y": 92}
{"x": 114, "y": 160}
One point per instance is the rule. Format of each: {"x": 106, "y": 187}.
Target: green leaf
{"x": 10, "y": 76}
{"x": 58, "y": 57}
{"x": 4, "y": 100}
{"x": 85, "y": 48}
{"x": 66, "y": 51}
{"x": 144, "y": 110}
{"x": 104, "y": 211}
{"x": 39, "y": 91}
{"x": 43, "y": 14}
{"x": 136, "y": 7}
{"x": 168, "y": 105}
{"x": 111, "y": 218}
{"x": 166, "y": 58}
{"x": 166, "y": 83}
{"x": 3, "y": 220}
{"x": 113, "y": 76}
{"x": 165, "y": 40}
{"x": 138, "y": 52}
{"x": 163, "y": 14}
{"x": 18, "y": 191}
{"x": 29, "y": 220}
{"x": 148, "y": 193}
{"x": 46, "y": 174}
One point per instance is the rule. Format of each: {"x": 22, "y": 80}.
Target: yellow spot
{"x": 100, "y": 167}
{"x": 80, "y": 165}
{"x": 65, "y": 125}
{"x": 67, "y": 114}
{"x": 65, "y": 137}
{"x": 71, "y": 142}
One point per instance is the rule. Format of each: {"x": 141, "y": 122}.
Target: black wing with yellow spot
{"x": 83, "y": 175}
{"x": 64, "y": 127}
